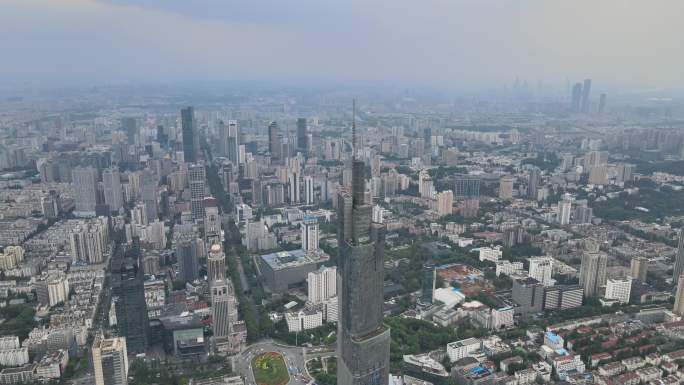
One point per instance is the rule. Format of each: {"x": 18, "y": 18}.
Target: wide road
{"x": 293, "y": 355}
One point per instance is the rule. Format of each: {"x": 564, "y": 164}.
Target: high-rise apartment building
{"x": 113, "y": 194}
{"x": 506, "y": 187}
{"x": 308, "y": 190}
{"x": 445, "y": 202}
{"x": 310, "y": 234}
{"x": 619, "y": 289}
{"x": 84, "y": 180}
{"x": 593, "y": 272}
{"x": 533, "y": 181}
{"x": 639, "y": 269}
{"x": 363, "y": 339}
{"x": 541, "y": 270}
{"x": 110, "y": 361}
{"x": 190, "y": 136}
{"x": 197, "y": 184}
{"x": 322, "y": 284}
{"x": 293, "y": 186}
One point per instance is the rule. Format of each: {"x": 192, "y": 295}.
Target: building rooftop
{"x": 293, "y": 258}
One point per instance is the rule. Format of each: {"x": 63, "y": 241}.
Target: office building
{"x": 216, "y": 263}
{"x": 302, "y": 136}
{"x": 110, "y": 361}
{"x": 322, "y": 285}
{"x": 113, "y": 194}
{"x": 130, "y": 305}
{"x": 187, "y": 255}
{"x": 506, "y": 187}
{"x": 639, "y": 269}
{"x": 129, "y": 125}
{"x": 593, "y": 273}
{"x": 561, "y": 297}
{"x": 223, "y": 307}
{"x": 528, "y": 294}
{"x": 445, "y": 202}
{"x": 586, "y": 89}
{"x": 286, "y": 269}
{"x": 603, "y": 100}
{"x": 274, "y": 140}
{"x": 428, "y": 284}
{"x": 679, "y": 258}
{"x": 619, "y": 289}
{"x": 576, "y": 97}
{"x": 679, "y": 297}
{"x": 150, "y": 194}
{"x": 310, "y": 234}
{"x": 462, "y": 349}
{"x": 197, "y": 184}
{"x": 190, "y": 135}
{"x": 84, "y": 180}
{"x": 363, "y": 339}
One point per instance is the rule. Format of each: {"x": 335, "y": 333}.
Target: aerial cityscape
{"x": 305, "y": 218}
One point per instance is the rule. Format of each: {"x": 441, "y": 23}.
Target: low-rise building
{"x": 463, "y": 348}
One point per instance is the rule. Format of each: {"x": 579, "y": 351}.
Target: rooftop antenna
{"x": 354, "y": 127}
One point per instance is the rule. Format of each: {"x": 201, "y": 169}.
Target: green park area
{"x": 270, "y": 369}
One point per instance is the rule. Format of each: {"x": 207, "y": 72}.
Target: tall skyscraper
{"x": 586, "y": 89}
{"x": 533, "y": 183}
{"x": 363, "y": 339}
{"x": 310, "y": 234}
{"x": 679, "y": 297}
{"x": 222, "y": 145}
{"x": 187, "y": 255}
{"x": 223, "y": 307}
{"x": 274, "y": 145}
{"x": 131, "y": 310}
{"x": 234, "y": 142}
{"x": 322, "y": 284}
{"x": 679, "y": 258}
{"x": 130, "y": 126}
{"x": 197, "y": 182}
{"x": 113, "y": 194}
{"x": 429, "y": 282}
{"x": 603, "y": 99}
{"x": 84, "y": 180}
{"x": 150, "y": 193}
{"x": 190, "y": 137}
{"x": 110, "y": 361}
{"x": 593, "y": 273}
{"x": 302, "y": 136}
{"x": 216, "y": 263}
{"x": 576, "y": 97}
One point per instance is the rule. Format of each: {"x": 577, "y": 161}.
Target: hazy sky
{"x": 452, "y": 42}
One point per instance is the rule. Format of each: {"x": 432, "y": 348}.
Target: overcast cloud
{"x": 451, "y": 42}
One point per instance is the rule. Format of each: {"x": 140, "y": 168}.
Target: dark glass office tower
{"x": 190, "y": 140}
{"x": 302, "y": 136}
{"x": 274, "y": 141}
{"x": 363, "y": 339}
{"x": 131, "y": 310}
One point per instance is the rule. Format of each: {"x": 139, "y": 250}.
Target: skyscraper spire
{"x": 354, "y": 128}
